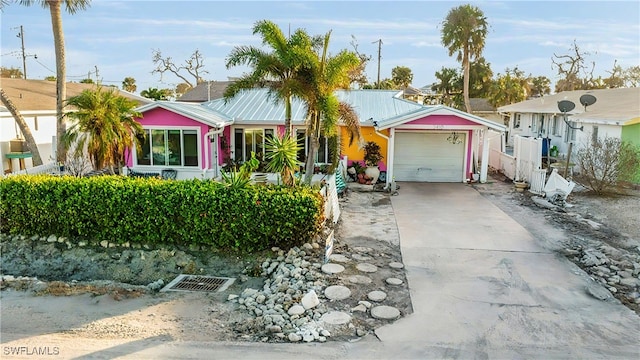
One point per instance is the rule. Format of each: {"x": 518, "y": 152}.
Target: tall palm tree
{"x": 105, "y": 123}
{"x": 326, "y": 74}
{"x": 277, "y": 69}
{"x": 24, "y": 128}
{"x": 55, "y": 9}
{"x": 463, "y": 32}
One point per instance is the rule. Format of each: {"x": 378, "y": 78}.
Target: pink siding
{"x": 161, "y": 117}
{"x": 469, "y": 158}
{"x": 441, "y": 120}
{"x": 227, "y": 134}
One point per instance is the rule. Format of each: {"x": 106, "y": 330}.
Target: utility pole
{"x": 97, "y": 78}
{"x": 379, "y": 41}
{"x": 24, "y": 56}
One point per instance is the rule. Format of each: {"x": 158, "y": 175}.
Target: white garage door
{"x": 428, "y": 157}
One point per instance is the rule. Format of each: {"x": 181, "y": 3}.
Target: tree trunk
{"x": 287, "y": 118}
{"x": 24, "y": 128}
{"x": 314, "y": 144}
{"x": 465, "y": 81}
{"x": 61, "y": 82}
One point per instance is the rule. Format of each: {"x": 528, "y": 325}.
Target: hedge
{"x": 154, "y": 211}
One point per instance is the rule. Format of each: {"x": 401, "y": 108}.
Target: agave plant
{"x": 282, "y": 156}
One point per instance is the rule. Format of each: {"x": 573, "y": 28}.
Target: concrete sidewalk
{"x": 481, "y": 287}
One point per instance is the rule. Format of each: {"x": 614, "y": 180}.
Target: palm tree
{"x": 278, "y": 69}
{"x": 463, "y": 32}
{"x": 55, "y": 8}
{"x": 447, "y": 85}
{"x": 156, "y": 94}
{"x": 105, "y": 123}
{"x": 325, "y": 75}
{"x": 24, "y": 128}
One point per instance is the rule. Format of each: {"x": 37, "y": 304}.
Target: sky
{"x": 117, "y": 37}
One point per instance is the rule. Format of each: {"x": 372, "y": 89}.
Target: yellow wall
{"x": 353, "y": 152}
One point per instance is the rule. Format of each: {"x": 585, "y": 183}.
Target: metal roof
{"x": 425, "y": 111}
{"x": 612, "y": 105}
{"x": 196, "y": 112}
{"x": 256, "y": 105}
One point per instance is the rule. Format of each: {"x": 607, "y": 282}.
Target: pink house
{"x": 179, "y": 136}
{"x": 422, "y": 143}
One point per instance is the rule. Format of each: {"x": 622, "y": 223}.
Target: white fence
{"x": 41, "y": 169}
{"x": 522, "y": 165}
{"x": 331, "y": 204}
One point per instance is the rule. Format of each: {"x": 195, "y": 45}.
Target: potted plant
{"x": 520, "y": 182}
{"x": 372, "y": 157}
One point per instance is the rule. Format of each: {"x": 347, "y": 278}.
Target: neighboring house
{"x": 205, "y": 91}
{"x": 36, "y": 101}
{"x": 420, "y": 143}
{"x": 483, "y": 108}
{"x": 613, "y": 115}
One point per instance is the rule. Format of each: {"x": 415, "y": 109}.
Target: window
{"x": 555, "y": 127}
{"x": 168, "y": 147}
{"x": 534, "y": 123}
{"x": 570, "y": 132}
{"x": 324, "y": 154}
{"x": 250, "y": 140}
{"x": 541, "y": 129}
{"x": 594, "y": 135}
{"x": 516, "y": 121}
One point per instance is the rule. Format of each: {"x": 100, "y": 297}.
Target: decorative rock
{"x": 339, "y": 258}
{"x": 364, "y": 267}
{"x": 104, "y": 243}
{"x": 332, "y": 268}
{"x": 293, "y": 337}
{"x": 53, "y": 239}
{"x": 360, "y": 308}
{"x": 232, "y": 297}
{"x": 394, "y": 281}
{"x": 336, "y": 318}
{"x": 337, "y": 292}
{"x": 377, "y": 295}
{"x": 325, "y": 333}
{"x": 310, "y": 300}
{"x": 359, "y": 279}
{"x": 361, "y": 332}
{"x": 630, "y": 282}
{"x": 362, "y": 249}
{"x": 365, "y": 303}
{"x": 385, "y": 312}
{"x": 598, "y": 292}
{"x": 396, "y": 265}
{"x": 296, "y": 310}
{"x": 359, "y": 257}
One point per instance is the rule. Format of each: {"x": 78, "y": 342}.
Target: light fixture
{"x": 454, "y": 138}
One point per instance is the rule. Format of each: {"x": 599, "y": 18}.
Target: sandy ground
{"x": 26, "y": 318}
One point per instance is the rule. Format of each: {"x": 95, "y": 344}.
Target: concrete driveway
{"x": 482, "y": 287}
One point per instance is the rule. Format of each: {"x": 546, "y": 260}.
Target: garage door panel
{"x": 427, "y": 157}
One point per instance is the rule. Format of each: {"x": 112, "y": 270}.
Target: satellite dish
{"x": 566, "y": 105}
{"x": 586, "y": 100}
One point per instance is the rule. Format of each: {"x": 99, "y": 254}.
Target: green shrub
{"x": 153, "y": 211}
